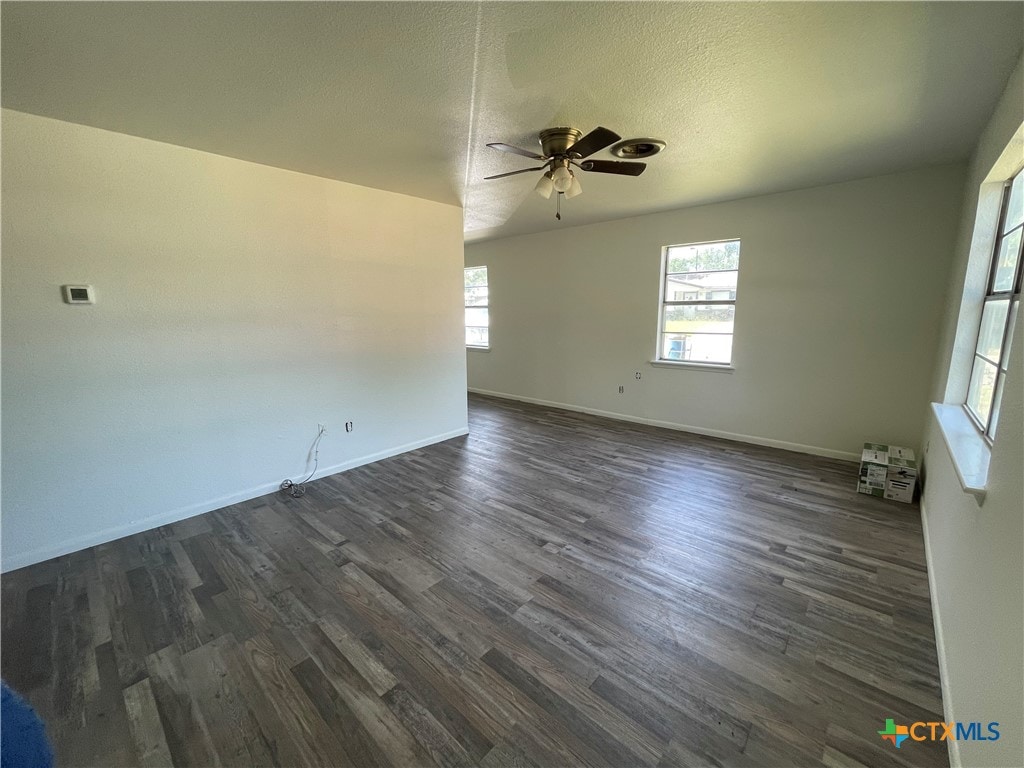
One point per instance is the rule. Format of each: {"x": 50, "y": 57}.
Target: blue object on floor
{"x": 23, "y": 741}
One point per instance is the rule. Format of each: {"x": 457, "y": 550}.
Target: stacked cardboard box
{"x": 889, "y": 471}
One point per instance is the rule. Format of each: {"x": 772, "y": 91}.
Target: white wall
{"x": 238, "y": 306}
{"x": 976, "y": 553}
{"x": 839, "y": 301}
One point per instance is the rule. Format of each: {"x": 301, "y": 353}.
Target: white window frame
{"x": 969, "y": 450}
{"x": 485, "y": 307}
{"x": 987, "y": 426}
{"x": 663, "y": 302}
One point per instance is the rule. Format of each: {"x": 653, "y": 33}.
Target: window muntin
{"x": 477, "y": 314}
{"x": 698, "y": 305}
{"x": 999, "y": 313}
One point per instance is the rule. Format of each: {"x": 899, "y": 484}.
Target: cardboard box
{"x": 888, "y": 471}
{"x": 901, "y": 478}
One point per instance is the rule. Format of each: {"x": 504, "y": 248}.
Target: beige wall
{"x": 839, "y": 302}
{"x": 238, "y": 307}
{"x": 976, "y": 553}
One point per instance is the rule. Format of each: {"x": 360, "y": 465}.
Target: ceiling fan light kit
{"x": 545, "y": 186}
{"x": 574, "y": 189}
{"x": 565, "y": 147}
{"x": 562, "y": 178}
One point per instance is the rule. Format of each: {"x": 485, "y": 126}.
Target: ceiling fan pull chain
{"x": 558, "y": 207}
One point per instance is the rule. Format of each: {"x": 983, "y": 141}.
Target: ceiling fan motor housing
{"x": 558, "y": 141}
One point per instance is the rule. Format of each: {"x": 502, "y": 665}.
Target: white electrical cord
{"x": 299, "y": 489}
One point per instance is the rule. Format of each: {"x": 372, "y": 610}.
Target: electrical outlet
{"x": 349, "y": 426}
{"x": 637, "y": 375}
{"x": 621, "y": 390}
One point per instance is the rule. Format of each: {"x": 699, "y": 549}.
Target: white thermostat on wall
{"x": 79, "y": 294}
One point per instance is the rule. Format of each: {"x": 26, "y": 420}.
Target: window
{"x": 475, "y": 279}
{"x": 1002, "y": 300}
{"x": 698, "y": 302}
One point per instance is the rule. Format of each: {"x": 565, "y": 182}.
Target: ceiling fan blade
{"x": 515, "y": 150}
{"x": 613, "y": 166}
{"x": 595, "y": 141}
{"x": 513, "y": 173}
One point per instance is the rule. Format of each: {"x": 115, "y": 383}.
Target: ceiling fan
{"x": 562, "y": 150}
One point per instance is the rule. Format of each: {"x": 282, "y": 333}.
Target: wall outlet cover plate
{"x": 79, "y": 294}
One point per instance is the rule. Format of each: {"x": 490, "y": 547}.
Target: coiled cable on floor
{"x": 295, "y": 490}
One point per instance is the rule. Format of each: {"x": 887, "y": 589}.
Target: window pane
{"x": 699, "y": 318}
{"x": 477, "y": 317}
{"x": 1006, "y": 261}
{"x": 1009, "y": 337}
{"x": 677, "y": 293}
{"x": 476, "y": 297}
{"x": 694, "y": 286}
{"x": 1015, "y": 208}
{"x": 993, "y": 321}
{"x": 980, "y": 391}
{"x": 476, "y": 276}
{"x": 995, "y": 405}
{"x": 476, "y": 337}
{"x": 697, "y": 347}
{"x": 700, "y": 258}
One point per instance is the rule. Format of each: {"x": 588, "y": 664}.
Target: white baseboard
{"x": 752, "y": 439}
{"x": 68, "y": 546}
{"x": 940, "y": 647}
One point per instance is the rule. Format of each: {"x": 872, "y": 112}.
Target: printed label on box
{"x": 874, "y": 457}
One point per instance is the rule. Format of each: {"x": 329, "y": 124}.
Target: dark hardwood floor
{"x": 555, "y": 589}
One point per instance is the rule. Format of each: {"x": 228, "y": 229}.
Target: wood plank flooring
{"x": 554, "y": 589}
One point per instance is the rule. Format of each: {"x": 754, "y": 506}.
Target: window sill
{"x": 694, "y": 366}
{"x": 478, "y": 349}
{"x": 967, "y": 448}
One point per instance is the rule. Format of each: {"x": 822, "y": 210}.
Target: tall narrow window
{"x": 698, "y": 302}
{"x": 1002, "y": 300}
{"x": 476, "y": 307}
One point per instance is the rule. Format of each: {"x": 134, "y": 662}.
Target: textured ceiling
{"x": 751, "y": 97}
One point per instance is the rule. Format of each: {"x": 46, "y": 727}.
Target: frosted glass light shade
{"x": 561, "y": 178}
{"x": 574, "y": 188}
{"x": 544, "y": 186}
